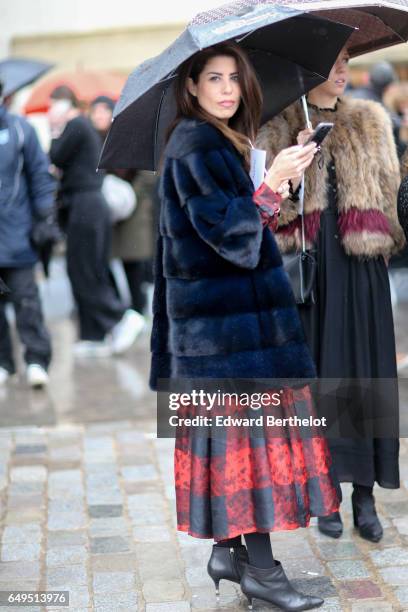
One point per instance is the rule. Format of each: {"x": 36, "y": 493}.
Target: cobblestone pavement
{"x": 87, "y": 505}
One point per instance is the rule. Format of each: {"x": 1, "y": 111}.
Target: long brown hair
{"x": 243, "y": 126}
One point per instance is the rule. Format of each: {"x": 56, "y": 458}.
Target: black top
{"x": 76, "y": 153}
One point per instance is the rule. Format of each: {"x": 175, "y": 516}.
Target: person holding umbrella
{"x": 223, "y": 308}
{"x": 350, "y": 219}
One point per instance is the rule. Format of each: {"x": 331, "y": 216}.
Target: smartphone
{"x": 320, "y": 133}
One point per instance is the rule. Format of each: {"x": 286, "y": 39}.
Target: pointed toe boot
{"x": 227, "y": 564}
{"x": 272, "y": 585}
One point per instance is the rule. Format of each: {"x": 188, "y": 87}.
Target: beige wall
{"x": 116, "y": 49}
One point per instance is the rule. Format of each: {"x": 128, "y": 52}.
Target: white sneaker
{"x": 126, "y": 331}
{"x": 37, "y": 377}
{"x": 4, "y": 376}
{"x": 91, "y": 348}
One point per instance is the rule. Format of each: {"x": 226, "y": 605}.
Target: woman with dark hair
{"x": 350, "y": 220}
{"x": 223, "y": 308}
{"x": 105, "y": 326}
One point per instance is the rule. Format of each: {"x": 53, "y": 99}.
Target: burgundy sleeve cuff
{"x": 268, "y": 204}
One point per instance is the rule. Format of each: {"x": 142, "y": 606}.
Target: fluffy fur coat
{"x": 362, "y": 147}
{"x": 223, "y": 306}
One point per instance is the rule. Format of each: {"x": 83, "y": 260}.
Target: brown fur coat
{"x": 362, "y": 147}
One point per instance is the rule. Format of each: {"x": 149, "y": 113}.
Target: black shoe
{"x": 330, "y": 525}
{"x": 365, "y": 515}
{"x": 272, "y": 585}
{"x": 227, "y": 564}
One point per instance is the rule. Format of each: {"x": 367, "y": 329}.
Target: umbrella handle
{"x": 306, "y": 112}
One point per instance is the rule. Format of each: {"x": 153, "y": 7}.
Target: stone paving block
{"x": 20, "y": 533}
{"x": 133, "y": 436}
{"x": 106, "y": 602}
{"x": 19, "y": 570}
{"x": 395, "y": 575}
{"x": 175, "y": 606}
{"x": 35, "y": 473}
{"x": 74, "y": 503}
{"x": 65, "y": 453}
{"x": 69, "y": 555}
{"x": 151, "y": 534}
{"x": 110, "y": 544}
{"x": 338, "y": 550}
{"x": 21, "y": 502}
{"x": 29, "y": 449}
{"x": 65, "y": 538}
{"x": 372, "y": 607}
{"x": 198, "y": 576}
{"x": 66, "y": 520}
{"x": 24, "y": 515}
{"x": 390, "y": 556}
{"x": 149, "y": 501}
{"x": 65, "y": 483}
{"x": 168, "y": 568}
{"x": 25, "y": 488}
{"x": 397, "y": 509}
{"x": 113, "y": 582}
{"x": 105, "y": 511}
{"x": 74, "y": 575}
{"x": 147, "y": 516}
{"x": 361, "y": 589}
{"x": 102, "y": 527}
{"x": 401, "y": 593}
{"x": 162, "y": 590}
{"x": 291, "y": 549}
{"x": 332, "y": 604}
{"x": 348, "y": 569}
{"x": 203, "y": 598}
{"x": 121, "y": 562}
{"x": 138, "y": 473}
{"x": 320, "y": 586}
{"x": 304, "y": 568}
{"x": 23, "y": 551}
{"x": 401, "y": 525}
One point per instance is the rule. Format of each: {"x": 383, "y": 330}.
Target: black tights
{"x": 259, "y": 548}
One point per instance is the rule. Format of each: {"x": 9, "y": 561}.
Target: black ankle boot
{"x": 330, "y": 525}
{"x": 273, "y": 586}
{"x": 365, "y": 515}
{"x": 227, "y": 564}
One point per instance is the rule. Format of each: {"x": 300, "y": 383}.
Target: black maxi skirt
{"x": 350, "y": 332}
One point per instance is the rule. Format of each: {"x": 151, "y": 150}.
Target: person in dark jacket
{"x": 350, "y": 220}
{"x": 26, "y": 199}
{"x": 105, "y": 326}
{"x": 223, "y": 308}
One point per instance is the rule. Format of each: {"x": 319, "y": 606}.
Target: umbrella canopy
{"x": 16, "y": 73}
{"x": 284, "y": 45}
{"x": 86, "y": 85}
{"x": 380, "y": 23}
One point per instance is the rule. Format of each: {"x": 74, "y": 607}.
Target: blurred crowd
{"x": 92, "y": 217}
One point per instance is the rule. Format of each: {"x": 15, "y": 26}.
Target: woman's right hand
{"x": 289, "y": 164}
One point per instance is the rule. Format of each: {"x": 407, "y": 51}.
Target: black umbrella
{"x": 292, "y": 53}
{"x": 16, "y": 73}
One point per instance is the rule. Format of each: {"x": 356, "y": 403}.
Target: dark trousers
{"x": 88, "y": 251}
{"x": 137, "y": 273}
{"x": 29, "y": 318}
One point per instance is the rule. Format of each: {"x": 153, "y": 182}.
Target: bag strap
{"x": 301, "y": 211}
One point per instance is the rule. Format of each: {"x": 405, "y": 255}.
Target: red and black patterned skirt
{"x": 242, "y": 481}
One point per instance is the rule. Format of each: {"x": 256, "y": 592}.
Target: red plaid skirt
{"x": 238, "y": 482}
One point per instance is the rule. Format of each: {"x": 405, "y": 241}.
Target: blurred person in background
{"x": 105, "y": 326}
{"x": 382, "y": 76}
{"x": 396, "y": 100}
{"x": 26, "y": 208}
{"x": 132, "y": 240}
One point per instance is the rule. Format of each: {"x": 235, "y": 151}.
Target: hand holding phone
{"x": 320, "y": 133}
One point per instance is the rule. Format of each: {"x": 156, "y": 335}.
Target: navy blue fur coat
{"x": 223, "y": 306}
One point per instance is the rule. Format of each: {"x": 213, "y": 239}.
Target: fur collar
{"x": 191, "y": 135}
{"x": 362, "y": 147}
